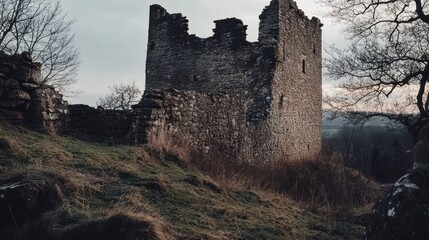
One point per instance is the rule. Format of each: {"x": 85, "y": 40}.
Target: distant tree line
{"x": 382, "y": 153}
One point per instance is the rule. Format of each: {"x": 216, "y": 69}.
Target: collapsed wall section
{"x": 97, "y": 124}
{"x": 24, "y": 99}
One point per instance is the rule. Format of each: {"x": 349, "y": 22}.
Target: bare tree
{"x": 122, "y": 97}
{"x": 385, "y": 70}
{"x": 42, "y": 29}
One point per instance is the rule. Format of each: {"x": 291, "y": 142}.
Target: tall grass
{"x": 170, "y": 140}
{"x": 318, "y": 183}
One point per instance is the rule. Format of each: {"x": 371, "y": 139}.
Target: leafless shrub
{"x": 122, "y": 96}
{"x": 41, "y": 28}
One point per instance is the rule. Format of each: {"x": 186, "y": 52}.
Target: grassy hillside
{"x": 100, "y": 187}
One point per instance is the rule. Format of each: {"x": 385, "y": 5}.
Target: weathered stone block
{"x": 16, "y": 94}
{"x": 12, "y": 103}
{"x": 30, "y": 85}
{"x": 150, "y": 103}
{"x": 11, "y": 83}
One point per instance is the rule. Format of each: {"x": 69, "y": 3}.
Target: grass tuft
{"x": 168, "y": 139}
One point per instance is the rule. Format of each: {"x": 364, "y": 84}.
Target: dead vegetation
{"x": 323, "y": 183}
{"x": 122, "y": 226}
{"x": 104, "y": 189}
{"x": 168, "y": 139}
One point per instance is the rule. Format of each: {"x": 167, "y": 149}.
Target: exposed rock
{"x": 404, "y": 212}
{"x": 15, "y": 94}
{"x": 24, "y": 100}
{"x": 21, "y": 202}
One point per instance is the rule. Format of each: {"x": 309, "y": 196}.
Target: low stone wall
{"x": 211, "y": 122}
{"x": 97, "y": 124}
{"x": 24, "y": 100}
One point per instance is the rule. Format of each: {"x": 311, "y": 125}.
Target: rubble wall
{"x": 24, "y": 99}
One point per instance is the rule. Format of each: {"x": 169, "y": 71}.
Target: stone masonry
{"x": 24, "y": 99}
{"x": 259, "y": 98}
{"x": 101, "y": 125}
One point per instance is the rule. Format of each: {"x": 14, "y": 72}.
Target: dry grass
{"x": 100, "y": 185}
{"x": 121, "y": 226}
{"x": 319, "y": 184}
{"x": 168, "y": 139}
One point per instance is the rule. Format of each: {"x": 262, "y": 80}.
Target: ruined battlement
{"x": 270, "y": 91}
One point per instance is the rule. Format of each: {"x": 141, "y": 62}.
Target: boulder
{"x": 404, "y": 212}
{"x": 26, "y": 56}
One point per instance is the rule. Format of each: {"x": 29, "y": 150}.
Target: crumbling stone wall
{"x": 270, "y": 89}
{"x": 97, "y": 124}
{"x": 24, "y": 99}
{"x": 213, "y": 122}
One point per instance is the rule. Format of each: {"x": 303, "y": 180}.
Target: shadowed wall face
{"x": 24, "y": 99}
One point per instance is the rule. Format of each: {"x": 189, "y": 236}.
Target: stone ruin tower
{"x": 254, "y": 99}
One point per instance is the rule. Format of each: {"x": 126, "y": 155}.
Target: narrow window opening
{"x": 314, "y": 48}
{"x": 195, "y": 78}
{"x": 303, "y": 66}
{"x": 284, "y": 54}
{"x": 281, "y": 101}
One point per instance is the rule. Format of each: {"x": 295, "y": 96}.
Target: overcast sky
{"x": 111, "y": 35}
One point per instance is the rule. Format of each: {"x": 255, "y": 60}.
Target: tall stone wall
{"x": 271, "y": 88}
{"x": 296, "y": 109}
{"x": 24, "y": 99}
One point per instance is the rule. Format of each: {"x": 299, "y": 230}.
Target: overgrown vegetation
{"x": 378, "y": 152}
{"x": 101, "y": 189}
{"x": 319, "y": 183}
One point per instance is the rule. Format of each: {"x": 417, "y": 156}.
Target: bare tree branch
{"x": 386, "y": 67}
{"x": 42, "y": 29}
{"x": 122, "y": 97}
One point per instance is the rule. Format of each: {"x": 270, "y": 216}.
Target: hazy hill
{"x": 332, "y": 126}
